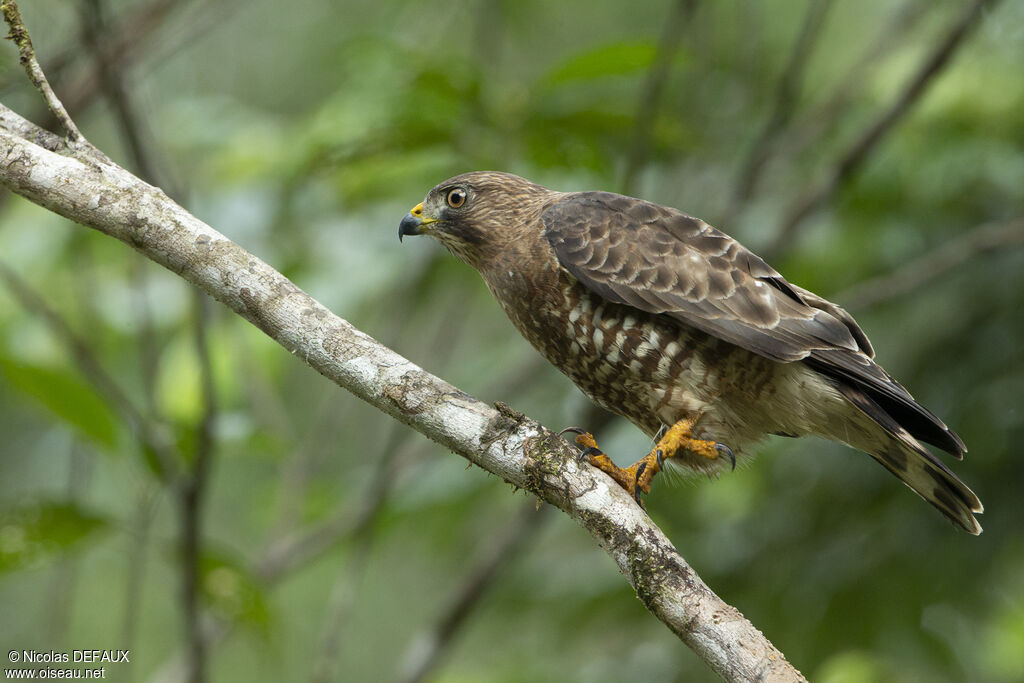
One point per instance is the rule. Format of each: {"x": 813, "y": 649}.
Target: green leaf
{"x": 32, "y": 533}
{"x": 607, "y": 60}
{"x": 66, "y": 396}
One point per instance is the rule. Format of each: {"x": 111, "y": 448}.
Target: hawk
{"x": 672, "y": 324}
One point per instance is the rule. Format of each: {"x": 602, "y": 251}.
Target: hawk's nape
{"x": 667, "y": 321}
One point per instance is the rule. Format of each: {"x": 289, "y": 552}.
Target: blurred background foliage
{"x": 330, "y": 542}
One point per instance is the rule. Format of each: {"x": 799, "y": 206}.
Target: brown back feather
{"x": 661, "y": 260}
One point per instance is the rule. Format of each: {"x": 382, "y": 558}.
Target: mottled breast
{"x": 632, "y": 363}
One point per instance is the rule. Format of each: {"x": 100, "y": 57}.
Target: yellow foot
{"x": 637, "y": 478}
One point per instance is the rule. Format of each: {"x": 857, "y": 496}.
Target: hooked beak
{"x": 414, "y": 222}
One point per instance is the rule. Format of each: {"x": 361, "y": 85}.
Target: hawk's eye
{"x": 456, "y": 197}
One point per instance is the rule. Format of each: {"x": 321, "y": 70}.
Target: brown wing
{"x": 660, "y": 260}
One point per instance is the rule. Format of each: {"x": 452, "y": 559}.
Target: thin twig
{"x": 426, "y": 650}
{"x": 191, "y": 498}
{"x": 101, "y": 43}
{"x": 154, "y": 436}
{"x": 786, "y": 95}
{"x": 989, "y": 237}
{"x": 295, "y": 472}
{"x": 149, "y": 351}
{"x": 61, "y": 595}
{"x": 816, "y": 122}
{"x": 340, "y": 602}
{"x": 350, "y": 577}
{"x": 193, "y": 484}
{"x": 145, "y": 34}
{"x": 296, "y": 551}
{"x": 139, "y": 537}
{"x": 653, "y": 90}
{"x": 292, "y": 546}
{"x": 136, "y": 29}
{"x": 112, "y": 83}
{"x": 855, "y": 155}
{"x": 298, "y": 548}
{"x": 489, "y": 27}
{"x": 112, "y": 79}
{"x": 27, "y": 57}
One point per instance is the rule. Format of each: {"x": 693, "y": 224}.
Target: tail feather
{"x": 886, "y": 395}
{"x": 905, "y": 457}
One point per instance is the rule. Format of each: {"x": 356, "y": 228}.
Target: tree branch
{"x": 147, "y": 33}
{"x": 786, "y": 95}
{"x": 103, "y": 196}
{"x": 427, "y": 648}
{"x": 152, "y": 435}
{"x": 851, "y": 160}
{"x": 343, "y": 595}
{"x": 190, "y": 498}
{"x": 112, "y": 84}
{"x": 653, "y": 89}
{"x": 191, "y": 486}
{"x": 944, "y": 258}
{"x": 812, "y": 125}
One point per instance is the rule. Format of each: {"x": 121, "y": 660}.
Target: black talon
{"x": 722, "y": 448}
{"x": 661, "y": 459}
{"x": 574, "y": 430}
{"x": 590, "y": 451}
{"x": 636, "y": 482}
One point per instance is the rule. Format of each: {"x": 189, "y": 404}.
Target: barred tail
{"x": 900, "y": 453}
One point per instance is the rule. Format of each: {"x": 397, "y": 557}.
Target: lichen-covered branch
{"x": 99, "y": 194}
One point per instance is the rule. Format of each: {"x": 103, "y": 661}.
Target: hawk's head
{"x": 478, "y": 215}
